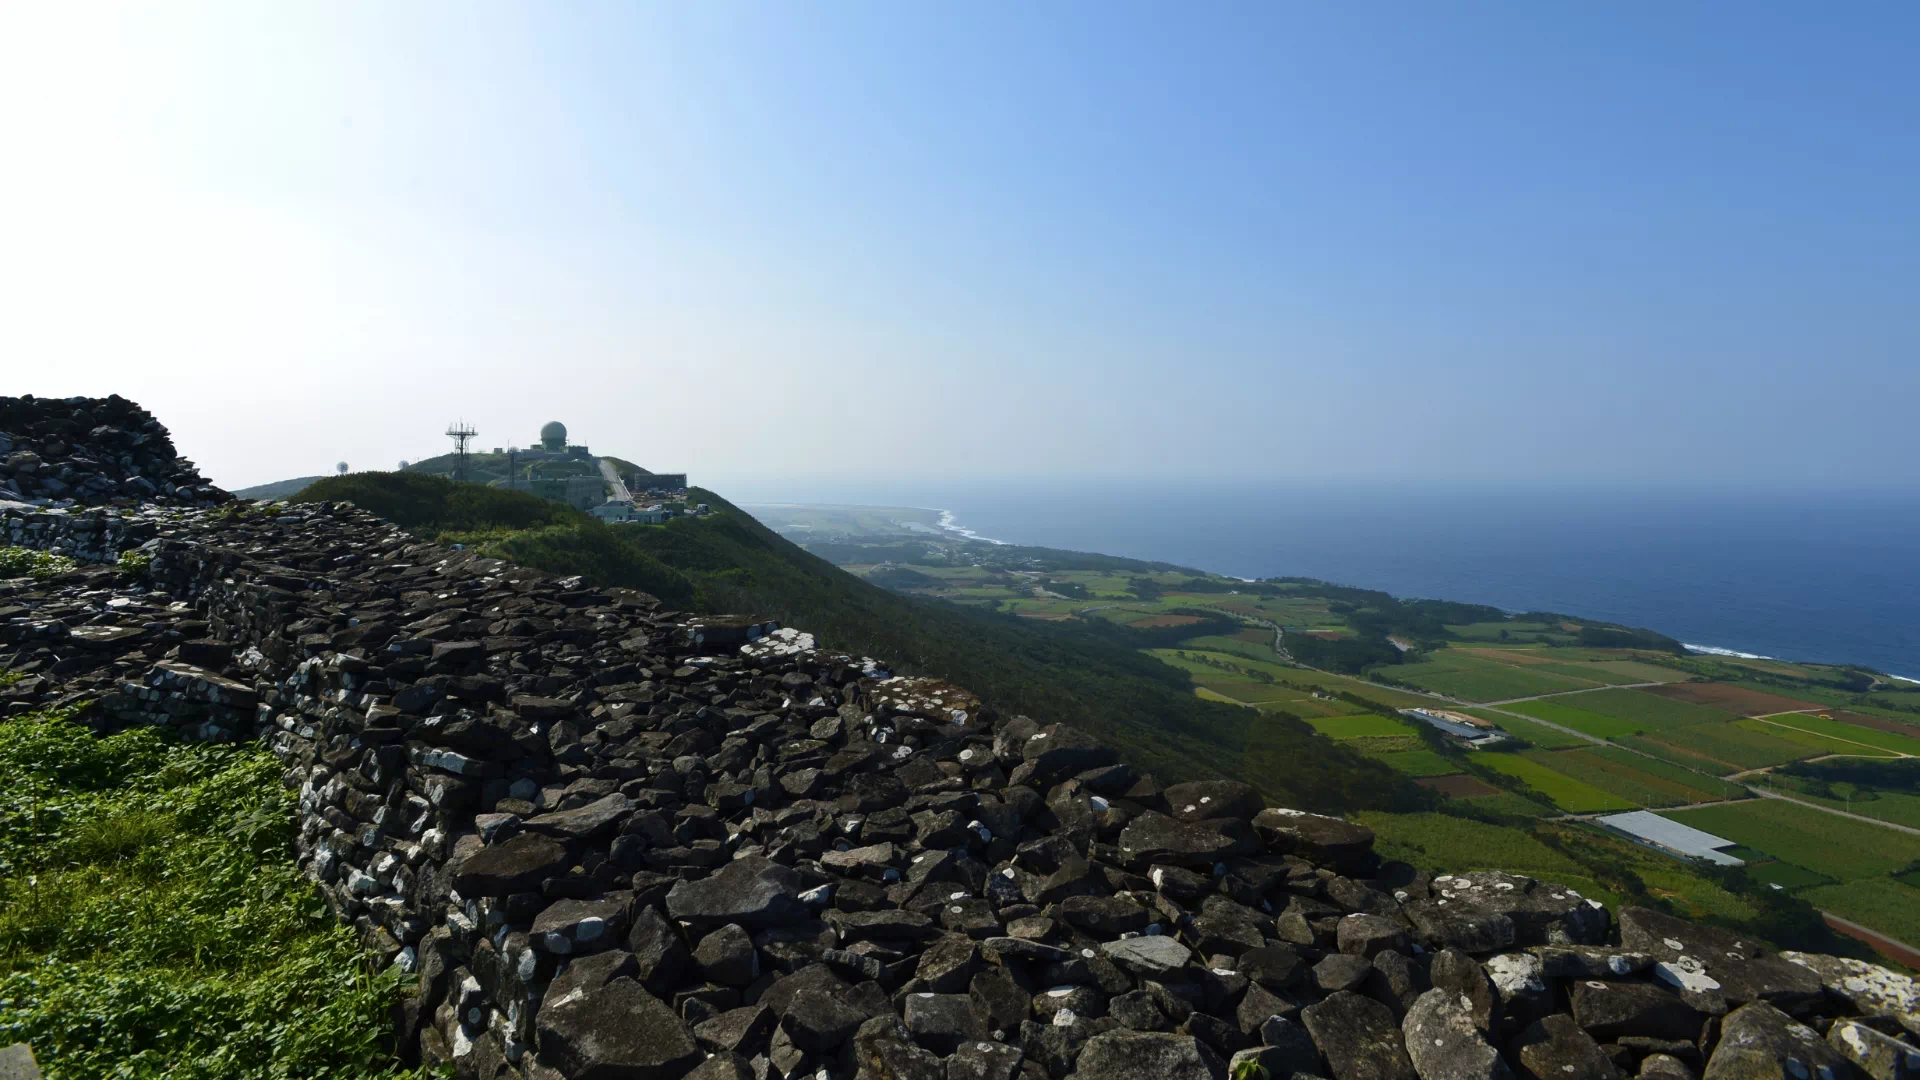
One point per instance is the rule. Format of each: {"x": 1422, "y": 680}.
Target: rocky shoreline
{"x": 609, "y": 840}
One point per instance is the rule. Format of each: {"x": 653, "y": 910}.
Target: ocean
{"x": 1821, "y": 577}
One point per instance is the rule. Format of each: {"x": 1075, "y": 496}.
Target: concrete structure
{"x": 1671, "y": 837}
{"x": 613, "y": 510}
{"x": 657, "y": 481}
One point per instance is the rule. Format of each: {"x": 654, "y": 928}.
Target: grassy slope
{"x": 1091, "y": 676}
{"x": 152, "y": 921}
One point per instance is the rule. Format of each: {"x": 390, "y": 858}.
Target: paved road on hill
{"x": 612, "y": 477}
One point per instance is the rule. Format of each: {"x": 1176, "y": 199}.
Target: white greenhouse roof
{"x": 1673, "y": 836}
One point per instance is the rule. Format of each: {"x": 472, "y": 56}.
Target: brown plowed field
{"x": 1735, "y": 699}
{"x": 1877, "y": 723}
{"x": 1164, "y": 620}
{"x": 1505, "y": 656}
{"x": 1458, "y": 786}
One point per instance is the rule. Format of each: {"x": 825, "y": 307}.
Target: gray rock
{"x": 658, "y": 950}
{"x": 1556, "y": 1048}
{"x": 1463, "y": 977}
{"x": 722, "y": 1066}
{"x": 1445, "y": 1042}
{"x": 1358, "y": 1038}
{"x": 1147, "y": 1055}
{"x": 1881, "y": 1057}
{"x": 1609, "y": 1010}
{"x": 882, "y": 1051}
{"x": 520, "y": 864}
{"x": 1203, "y": 799}
{"x": 1342, "y": 971}
{"x": 727, "y": 956}
{"x": 594, "y": 819}
{"x": 1869, "y": 988}
{"x": 819, "y": 1023}
{"x": 1759, "y": 1042}
{"x": 985, "y": 1059}
{"x": 1665, "y": 1067}
{"x": 1156, "y": 838}
{"x": 752, "y": 891}
{"x": 941, "y": 1022}
{"x": 574, "y": 927}
{"x": 745, "y": 1031}
{"x": 1692, "y": 957}
{"x": 1345, "y": 846}
{"x": 1365, "y": 935}
{"x": 1155, "y": 956}
{"x": 614, "y": 1033}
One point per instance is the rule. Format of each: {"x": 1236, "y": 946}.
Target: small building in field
{"x": 1457, "y": 724}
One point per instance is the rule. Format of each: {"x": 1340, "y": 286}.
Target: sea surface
{"x": 1824, "y": 577}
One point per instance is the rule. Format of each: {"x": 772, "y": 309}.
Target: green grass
{"x": 1569, "y": 794}
{"x": 1850, "y": 735}
{"x": 1419, "y": 763}
{"x": 1472, "y": 678}
{"x": 1650, "y": 710}
{"x": 1897, "y": 807}
{"x": 1786, "y": 875}
{"x": 1825, "y": 843}
{"x": 152, "y": 921}
{"x": 1347, "y": 727}
{"x": 1556, "y": 711}
{"x": 1881, "y": 903}
{"x": 28, "y": 562}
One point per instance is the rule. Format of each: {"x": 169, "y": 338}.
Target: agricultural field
{"x": 1727, "y": 747}
{"x": 1419, "y": 763}
{"x": 1359, "y": 725}
{"x": 1733, "y": 698}
{"x": 1459, "y": 786}
{"x": 1553, "y": 711}
{"x": 1858, "y": 738}
{"x": 1471, "y": 677}
{"x": 1647, "y": 707}
{"x": 1840, "y": 848}
{"x": 1897, "y": 807}
{"x": 1573, "y": 796}
{"x": 1881, "y": 903}
{"x": 1636, "y": 779}
{"x": 1817, "y": 744}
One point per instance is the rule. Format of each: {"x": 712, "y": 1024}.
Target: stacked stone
{"x": 93, "y": 451}
{"x": 608, "y": 842}
{"x": 84, "y": 535}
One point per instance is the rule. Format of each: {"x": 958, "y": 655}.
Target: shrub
{"x": 27, "y": 562}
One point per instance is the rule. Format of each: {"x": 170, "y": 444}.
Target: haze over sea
{"x": 1829, "y": 577}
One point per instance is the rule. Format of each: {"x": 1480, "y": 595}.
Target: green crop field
{"x": 1515, "y": 631}
{"x": 1650, "y": 710}
{"x": 1538, "y": 734}
{"x": 1362, "y": 724}
{"x": 1849, "y": 734}
{"x": 1706, "y": 784}
{"x": 1816, "y": 741}
{"x": 1473, "y": 678}
{"x": 1894, "y": 806}
{"x": 1419, "y": 763}
{"x": 1734, "y": 747}
{"x": 1825, "y": 843}
{"x": 1569, "y": 794}
{"x": 1882, "y": 903}
{"x": 1556, "y": 711}
{"x": 1623, "y": 775}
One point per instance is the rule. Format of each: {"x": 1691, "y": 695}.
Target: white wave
{"x": 951, "y": 524}
{"x": 1902, "y": 678}
{"x": 1714, "y": 650}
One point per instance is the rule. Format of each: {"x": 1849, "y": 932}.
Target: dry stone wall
{"x": 609, "y": 840}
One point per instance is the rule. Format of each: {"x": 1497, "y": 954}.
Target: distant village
{"x": 612, "y": 491}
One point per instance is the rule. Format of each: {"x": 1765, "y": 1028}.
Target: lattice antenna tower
{"x": 461, "y": 433}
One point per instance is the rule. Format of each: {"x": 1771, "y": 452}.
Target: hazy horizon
{"x": 1502, "y": 245}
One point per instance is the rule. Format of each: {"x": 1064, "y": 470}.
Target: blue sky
{"x": 1488, "y": 243}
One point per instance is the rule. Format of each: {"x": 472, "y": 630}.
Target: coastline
{"x": 949, "y": 523}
